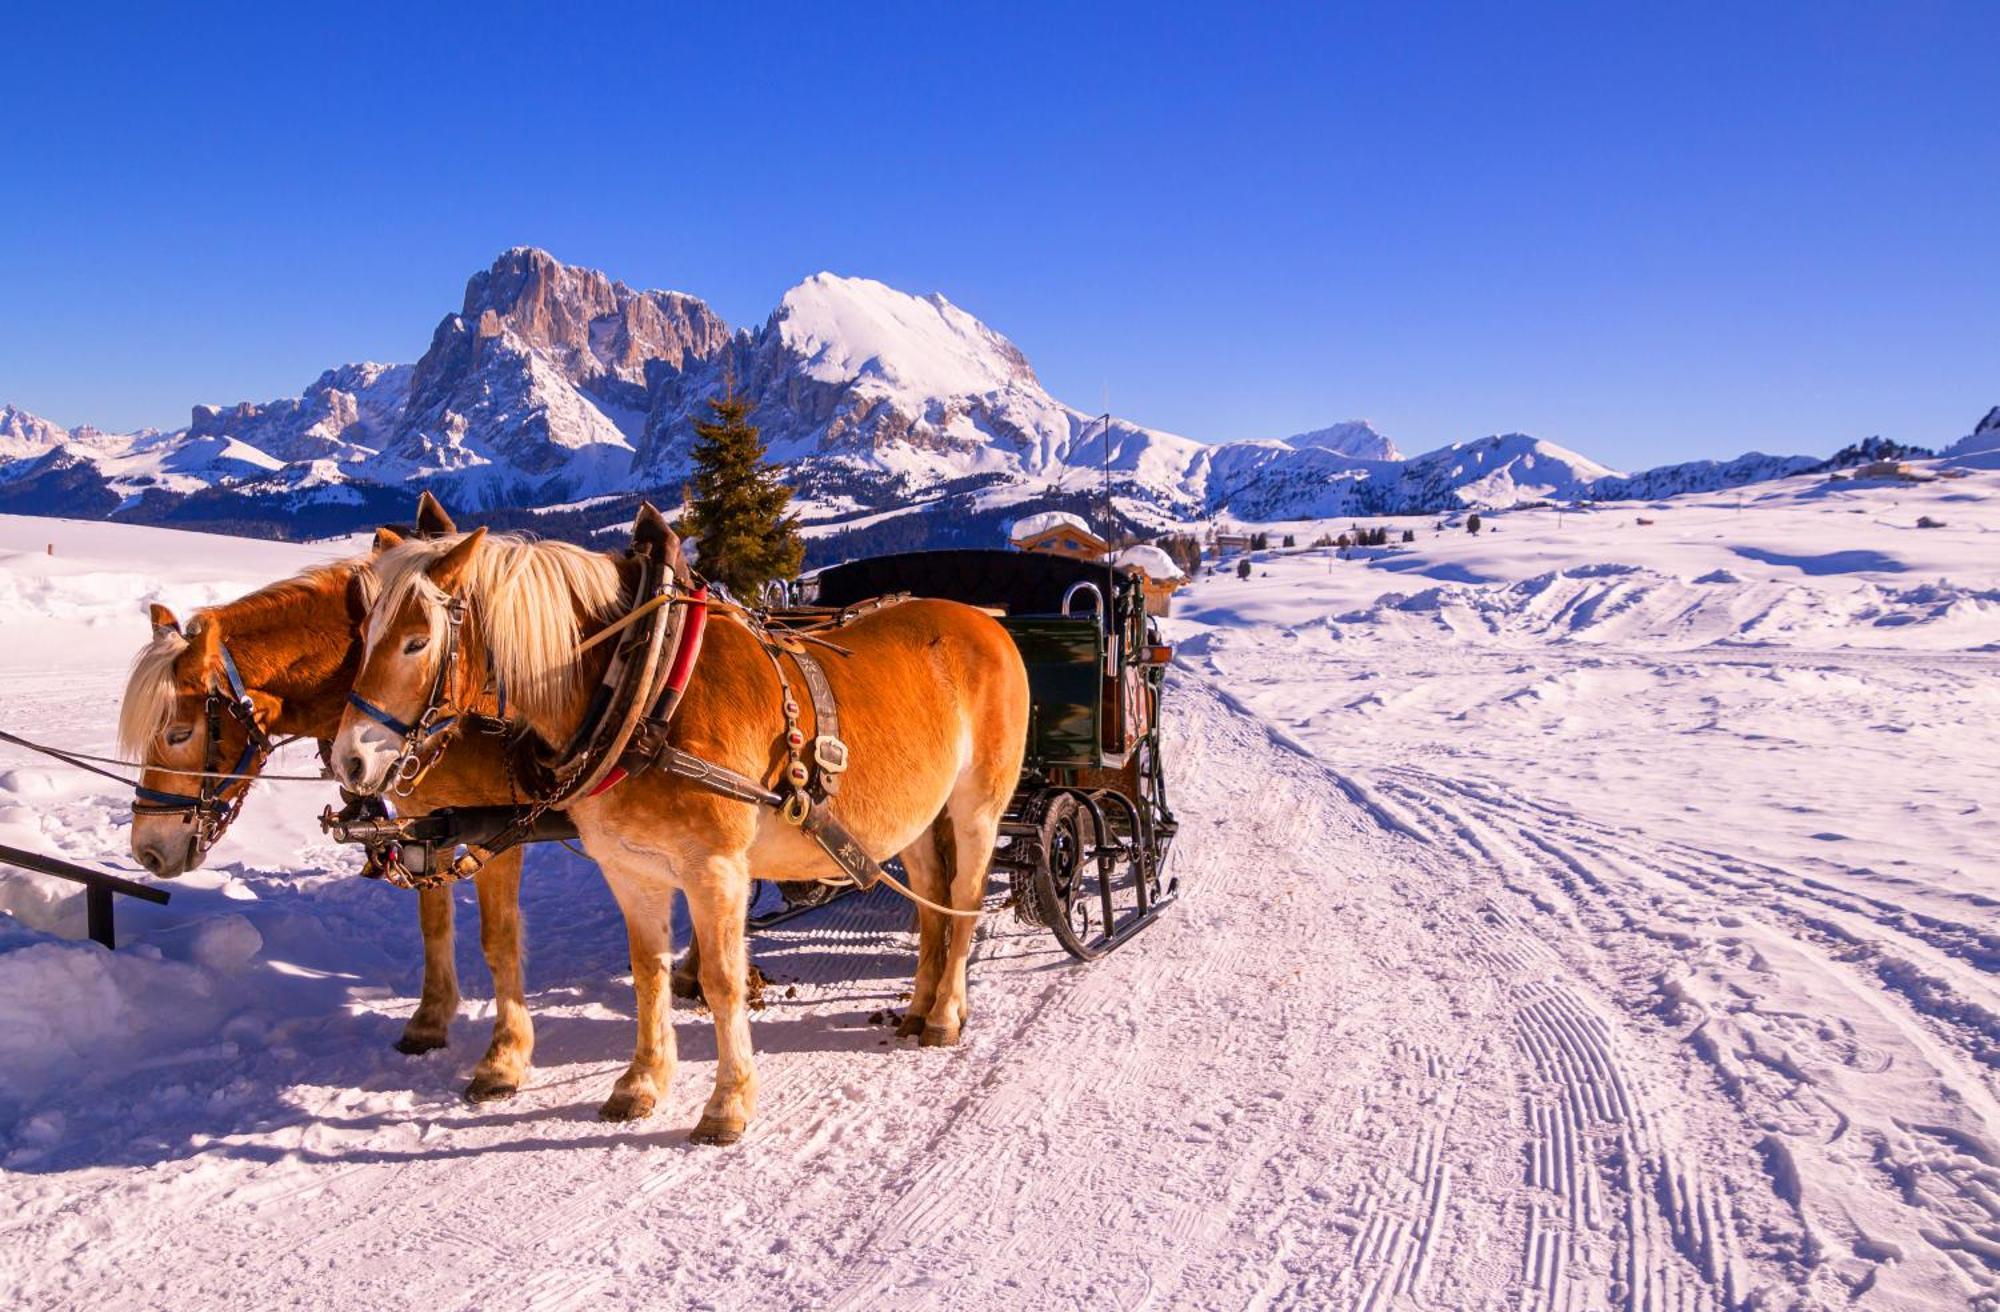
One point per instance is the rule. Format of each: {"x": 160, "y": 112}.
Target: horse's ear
{"x": 432, "y": 520}
{"x": 650, "y": 534}
{"x": 385, "y": 538}
{"x": 205, "y": 640}
{"x": 163, "y": 620}
{"x": 359, "y": 597}
{"x": 450, "y": 568}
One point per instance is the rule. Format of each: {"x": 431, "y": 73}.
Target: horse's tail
{"x": 944, "y": 838}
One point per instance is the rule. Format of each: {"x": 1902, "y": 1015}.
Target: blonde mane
{"x": 525, "y": 596}
{"x": 151, "y": 693}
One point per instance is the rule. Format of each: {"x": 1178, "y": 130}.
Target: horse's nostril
{"x": 356, "y": 768}
{"x": 150, "y": 859}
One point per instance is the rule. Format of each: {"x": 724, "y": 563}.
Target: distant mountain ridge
{"x": 554, "y": 384}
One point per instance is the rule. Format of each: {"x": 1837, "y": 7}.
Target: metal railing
{"x": 97, "y": 888}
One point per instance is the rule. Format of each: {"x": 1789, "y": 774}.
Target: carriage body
{"x": 1086, "y": 838}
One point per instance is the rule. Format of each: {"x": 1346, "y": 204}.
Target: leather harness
{"x": 626, "y": 728}
{"x": 219, "y": 796}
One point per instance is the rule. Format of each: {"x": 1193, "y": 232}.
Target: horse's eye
{"x": 415, "y": 645}
{"x": 176, "y": 737}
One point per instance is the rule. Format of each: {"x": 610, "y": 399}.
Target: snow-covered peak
{"x": 849, "y": 329}
{"x": 1502, "y": 470}
{"x": 1354, "y": 437}
{"x": 1981, "y": 447}
{"x": 23, "y": 434}
{"x": 1985, "y": 436}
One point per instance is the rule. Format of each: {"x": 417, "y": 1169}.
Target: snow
{"x": 1152, "y": 562}
{"x": 1354, "y": 437}
{"x": 1581, "y": 913}
{"x": 1043, "y": 522}
{"x": 848, "y": 328}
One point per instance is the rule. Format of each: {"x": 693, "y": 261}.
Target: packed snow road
{"x": 1638, "y": 967}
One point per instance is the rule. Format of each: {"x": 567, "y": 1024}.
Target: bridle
{"x": 215, "y": 803}
{"x": 426, "y": 737}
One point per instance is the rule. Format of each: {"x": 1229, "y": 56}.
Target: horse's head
{"x": 203, "y": 704}
{"x": 191, "y": 721}
{"x": 413, "y": 679}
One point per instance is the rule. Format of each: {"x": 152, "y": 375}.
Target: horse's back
{"x": 938, "y": 651}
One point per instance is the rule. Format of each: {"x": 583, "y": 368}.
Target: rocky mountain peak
{"x": 585, "y": 322}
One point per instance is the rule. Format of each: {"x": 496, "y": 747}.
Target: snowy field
{"x": 1586, "y": 914}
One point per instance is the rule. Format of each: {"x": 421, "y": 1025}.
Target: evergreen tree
{"x": 736, "y": 507}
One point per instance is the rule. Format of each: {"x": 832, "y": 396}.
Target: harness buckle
{"x": 829, "y": 754}
{"x": 796, "y": 808}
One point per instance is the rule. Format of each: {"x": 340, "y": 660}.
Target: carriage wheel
{"x": 1089, "y": 883}
{"x": 1069, "y": 889}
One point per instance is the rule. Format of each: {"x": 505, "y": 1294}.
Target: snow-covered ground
{"x": 1580, "y": 915}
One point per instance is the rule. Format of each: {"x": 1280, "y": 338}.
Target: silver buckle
{"x": 829, "y": 754}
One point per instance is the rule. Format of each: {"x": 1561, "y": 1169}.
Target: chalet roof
{"x": 1036, "y": 525}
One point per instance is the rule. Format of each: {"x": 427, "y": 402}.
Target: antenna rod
{"x": 1110, "y": 570}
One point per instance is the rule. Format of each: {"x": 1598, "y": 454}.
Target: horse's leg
{"x": 648, "y": 906}
{"x": 967, "y": 830}
{"x": 501, "y": 1070}
{"x": 430, "y": 1026}
{"x": 687, "y": 975}
{"x": 718, "y": 894}
{"x": 923, "y": 862}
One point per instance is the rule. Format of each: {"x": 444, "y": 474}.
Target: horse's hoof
{"x": 912, "y": 1026}
{"x": 490, "y": 1088}
{"x": 626, "y": 1107}
{"x": 686, "y": 987}
{"x": 718, "y": 1130}
{"x": 940, "y": 1036}
{"x": 412, "y": 1044}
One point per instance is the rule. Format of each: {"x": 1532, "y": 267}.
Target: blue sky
{"x": 1653, "y": 235}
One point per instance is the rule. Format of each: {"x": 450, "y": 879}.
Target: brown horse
{"x": 933, "y": 704}
{"x": 294, "y": 647}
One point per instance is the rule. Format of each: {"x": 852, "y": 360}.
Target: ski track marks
{"x": 1854, "y": 1040}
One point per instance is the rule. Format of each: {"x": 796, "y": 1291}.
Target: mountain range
{"x": 901, "y": 420}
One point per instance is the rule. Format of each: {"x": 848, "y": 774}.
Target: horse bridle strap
{"x": 211, "y": 808}
{"x": 439, "y": 713}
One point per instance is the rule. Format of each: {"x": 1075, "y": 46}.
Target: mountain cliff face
{"x": 347, "y": 414}
{"x": 536, "y": 389}
{"x": 553, "y": 383}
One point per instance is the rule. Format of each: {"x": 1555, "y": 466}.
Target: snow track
{"x": 1857, "y": 1035}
